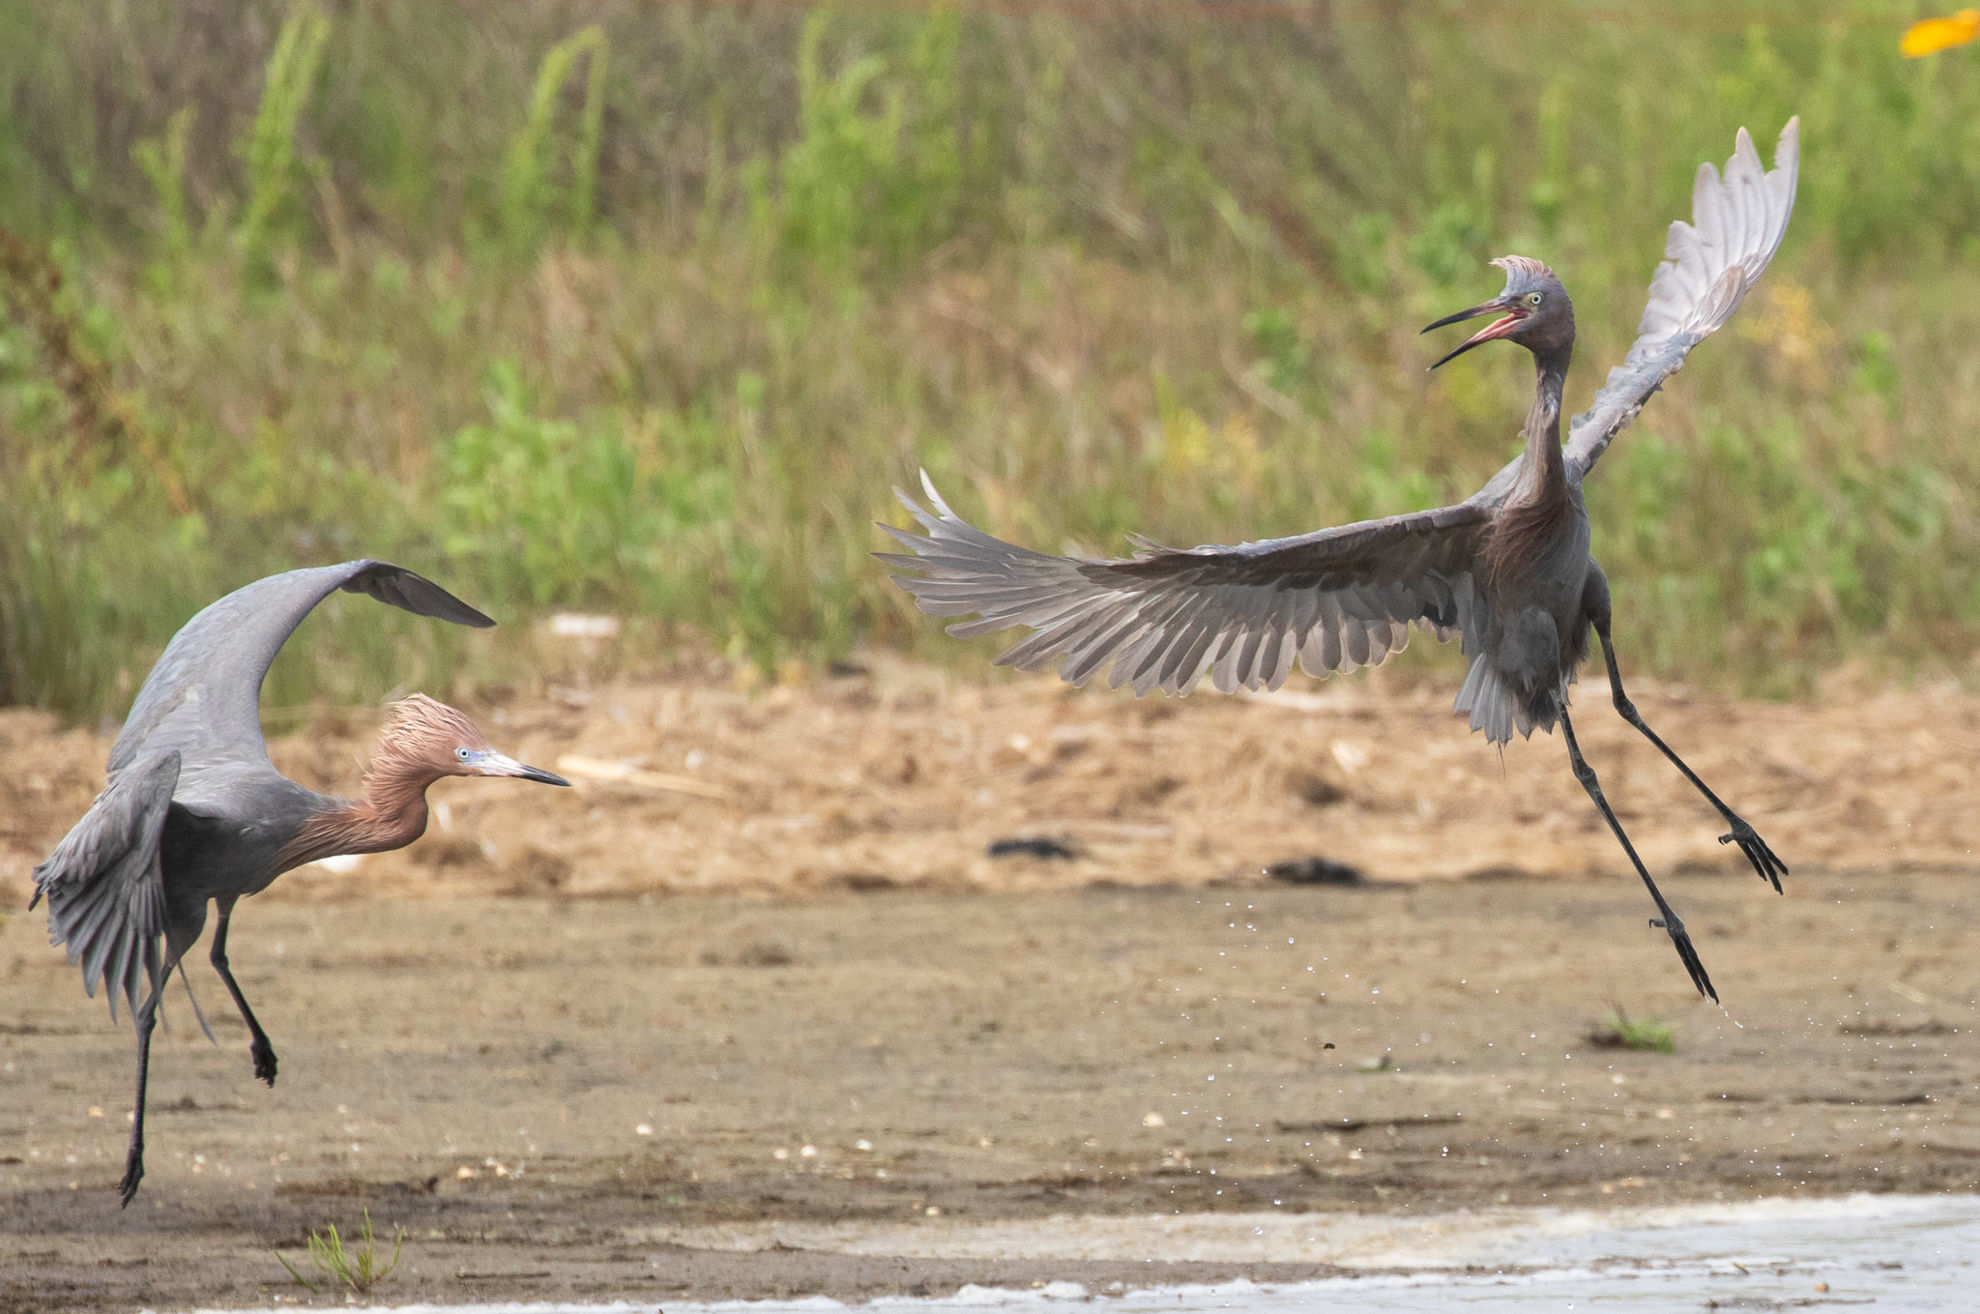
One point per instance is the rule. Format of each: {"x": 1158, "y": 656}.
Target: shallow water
{"x": 1893, "y": 1252}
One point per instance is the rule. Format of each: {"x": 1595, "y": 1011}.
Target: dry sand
{"x": 900, "y": 776}
{"x": 518, "y": 1043}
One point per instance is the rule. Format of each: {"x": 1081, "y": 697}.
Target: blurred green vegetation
{"x": 643, "y": 308}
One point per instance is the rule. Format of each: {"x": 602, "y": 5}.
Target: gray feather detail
{"x": 1356, "y": 642}
{"x": 1184, "y": 651}
{"x": 1321, "y": 650}
{"x": 1167, "y": 618}
{"x": 1223, "y": 675}
{"x": 1710, "y": 264}
{"x": 1241, "y": 670}
{"x": 1493, "y": 705}
{"x": 1484, "y": 696}
{"x": 1285, "y": 660}
{"x": 105, "y": 887}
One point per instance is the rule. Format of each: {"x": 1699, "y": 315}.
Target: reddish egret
{"x": 1507, "y": 570}
{"x": 195, "y": 811}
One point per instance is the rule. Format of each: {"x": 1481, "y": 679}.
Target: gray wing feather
{"x": 1737, "y": 223}
{"x": 1165, "y": 618}
{"x": 203, "y": 696}
{"x": 104, "y": 884}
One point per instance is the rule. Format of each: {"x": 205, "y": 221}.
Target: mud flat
{"x": 569, "y": 1098}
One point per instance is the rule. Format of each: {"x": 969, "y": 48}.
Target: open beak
{"x": 490, "y": 763}
{"x": 1498, "y": 328}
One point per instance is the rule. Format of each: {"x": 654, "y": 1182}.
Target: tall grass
{"x": 526, "y": 187}
{"x": 645, "y": 309}
{"x": 268, "y": 150}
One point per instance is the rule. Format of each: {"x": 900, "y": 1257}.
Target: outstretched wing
{"x": 104, "y": 886}
{"x": 1737, "y": 222}
{"x": 203, "y": 697}
{"x": 1333, "y": 600}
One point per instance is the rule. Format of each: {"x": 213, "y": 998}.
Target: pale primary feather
{"x": 1737, "y": 222}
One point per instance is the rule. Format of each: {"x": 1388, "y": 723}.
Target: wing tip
{"x": 1676, "y": 308}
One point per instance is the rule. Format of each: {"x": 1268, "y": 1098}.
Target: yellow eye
{"x": 1533, "y": 299}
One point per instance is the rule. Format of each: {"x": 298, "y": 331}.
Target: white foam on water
{"x": 1388, "y": 1241}
{"x": 1909, "y": 1253}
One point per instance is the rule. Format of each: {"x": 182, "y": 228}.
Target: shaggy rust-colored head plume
{"x": 424, "y": 737}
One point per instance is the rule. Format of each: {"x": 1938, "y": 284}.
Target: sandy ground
{"x": 519, "y": 1043}
{"x": 899, "y": 776}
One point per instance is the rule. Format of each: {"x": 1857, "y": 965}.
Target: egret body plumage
{"x": 194, "y": 812}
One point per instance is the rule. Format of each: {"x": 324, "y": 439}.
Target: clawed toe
{"x": 264, "y": 1063}
{"x": 1765, "y": 861}
{"x": 1688, "y": 955}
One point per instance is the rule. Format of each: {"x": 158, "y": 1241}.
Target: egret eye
{"x": 1533, "y": 299}
{"x": 461, "y": 753}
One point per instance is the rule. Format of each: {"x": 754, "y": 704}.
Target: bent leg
{"x": 1667, "y": 918}
{"x": 1763, "y": 858}
{"x": 259, "y": 1049}
{"x": 147, "y": 1019}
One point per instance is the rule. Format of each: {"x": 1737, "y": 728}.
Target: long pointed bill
{"x": 1498, "y": 328}
{"x": 491, "y": 763}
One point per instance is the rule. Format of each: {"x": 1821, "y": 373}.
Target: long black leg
{"x": 134, "y": 1160}
{"x": 259, "y": 1049}
{"x": 1667, "y": 919}
{"x": 1763, "y": 858}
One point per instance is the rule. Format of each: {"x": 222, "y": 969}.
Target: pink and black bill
{"x": 1512, "y": 315}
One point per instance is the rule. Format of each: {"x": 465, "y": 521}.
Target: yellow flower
{"x": 1934, "y": 34}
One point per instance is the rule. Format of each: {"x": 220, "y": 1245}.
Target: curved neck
{"x": 390, "y": 814}
{"x": 1532, "y": 517}
{"x": 1545, "y": 470}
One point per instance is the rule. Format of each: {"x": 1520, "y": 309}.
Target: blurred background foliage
{"x": 642, "y": 307}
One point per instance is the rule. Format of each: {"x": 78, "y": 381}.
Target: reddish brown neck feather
{"x": 390, "y": 815}
{"x": 390, "y": 812}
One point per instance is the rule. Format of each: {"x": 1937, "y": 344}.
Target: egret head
{"x": 1533, "y": 311}
{"x": 432, "y": 738}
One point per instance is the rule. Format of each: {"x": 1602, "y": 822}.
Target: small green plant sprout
{"x": 357, "y": 1268}
{"x": 1618, "y": 1030}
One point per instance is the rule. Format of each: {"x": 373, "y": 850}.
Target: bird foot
{"x": 263, "y": 1054}
{"x": 133, "y": 1174}
{"x": 1764, "y": 860}
{"x": 1686, "y": 954}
